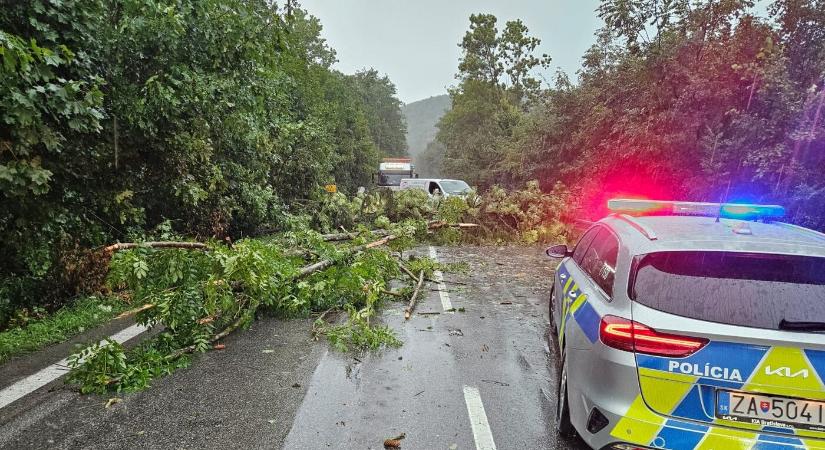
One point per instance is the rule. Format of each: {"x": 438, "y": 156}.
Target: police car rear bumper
{"x": 634, "y": 430}
{"x": 609, "y": 385}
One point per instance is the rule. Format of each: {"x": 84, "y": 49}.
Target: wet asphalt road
{"x": 274, "y": 387}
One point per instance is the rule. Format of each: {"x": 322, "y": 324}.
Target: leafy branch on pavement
{"x": 198, "y": 298}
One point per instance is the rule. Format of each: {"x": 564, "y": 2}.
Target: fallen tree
{"x": 198, "y": 298}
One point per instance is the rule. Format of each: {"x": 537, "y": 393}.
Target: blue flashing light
{"x": 724, "y": 210}
{"x": 749, "y": 211}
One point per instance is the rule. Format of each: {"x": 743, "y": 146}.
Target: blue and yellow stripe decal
{"x": 575, "y": 307}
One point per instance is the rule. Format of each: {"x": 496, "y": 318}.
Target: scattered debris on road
{"x": 394, "y": 442}
{"x": 498, "y": 383}
{"x": 113, "y": 401}
{"x": 456, "y": 332}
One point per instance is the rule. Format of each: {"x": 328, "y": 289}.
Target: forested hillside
{"x": 421, "y": 117}
{"x": 678, "y": 100}
{"x": 129, "y": 119}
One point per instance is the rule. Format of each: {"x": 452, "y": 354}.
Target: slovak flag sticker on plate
{"x": 765, "y": 406}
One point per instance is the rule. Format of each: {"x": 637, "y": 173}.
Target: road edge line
{"x": 446, "y": 304}
{"x": 42, "y": 377}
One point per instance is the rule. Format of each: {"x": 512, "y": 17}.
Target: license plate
{"x": 765, "y": 410}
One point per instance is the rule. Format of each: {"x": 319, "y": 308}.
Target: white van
{"x": 434, "y": 186}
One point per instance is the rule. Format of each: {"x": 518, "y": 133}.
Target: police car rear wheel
{"x": 563, "y": 425}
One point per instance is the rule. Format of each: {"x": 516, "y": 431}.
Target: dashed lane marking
{"x": 446, "y": 304}
{"x": 45, "y": 376}
{"x": 478, "y": 419}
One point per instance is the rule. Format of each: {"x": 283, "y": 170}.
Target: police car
{"x": 692, "y": 326}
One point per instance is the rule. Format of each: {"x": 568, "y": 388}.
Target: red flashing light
{"x": 629, "y": 336}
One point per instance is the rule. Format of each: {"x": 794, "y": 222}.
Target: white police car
{"x": 692, "y": 326}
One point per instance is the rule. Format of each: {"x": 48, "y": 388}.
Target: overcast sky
{"x": 415, "y": 42}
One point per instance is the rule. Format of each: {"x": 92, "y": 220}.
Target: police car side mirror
{"x": 558, "y": 251}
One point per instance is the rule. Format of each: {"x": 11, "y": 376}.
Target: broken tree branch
{"x": 132, "y": 312}
{"x": 441, "y": 224}
{"x": 128, "y": 245}
{"x": 323, "y": 264}
{"x": 232, "y": 327}
{"x": 406, "y": 270}
{"x": 346, "y": 236}
{"x": 315, "y": 330}
{"x": 411, "y": 306}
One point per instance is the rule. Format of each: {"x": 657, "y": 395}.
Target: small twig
{"x": 315, "y": 330}
{"x": 324, "y": 314}
{"x": 132, "y": 312}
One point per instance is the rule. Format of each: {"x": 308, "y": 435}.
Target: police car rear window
{"x": 746, "y": 289}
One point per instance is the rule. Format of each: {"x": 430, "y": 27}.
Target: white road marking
{"x": 45, "y": 376}
{"x": 446, "y": 304}
{"x": 478, "y": 419}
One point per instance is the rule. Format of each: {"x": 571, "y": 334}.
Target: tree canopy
{"x": 216, "y": 117}
{"x": 676, "y": 100}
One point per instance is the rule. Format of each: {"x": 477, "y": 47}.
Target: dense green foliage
{"x": 218, "y": 117}
{"x": 695, "y": 100}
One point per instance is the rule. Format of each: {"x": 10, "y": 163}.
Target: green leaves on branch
{"x": 198, "y": 296}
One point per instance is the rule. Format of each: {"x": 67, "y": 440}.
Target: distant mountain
{"x": 421, "y": 119}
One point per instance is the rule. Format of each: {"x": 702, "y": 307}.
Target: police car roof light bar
{"x": 723, "y": 210}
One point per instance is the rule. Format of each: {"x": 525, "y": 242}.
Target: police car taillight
{"x": 627, "y": 335}
{"x": 724, "y": 210}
